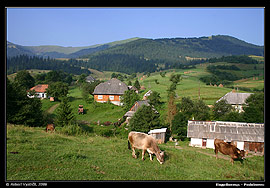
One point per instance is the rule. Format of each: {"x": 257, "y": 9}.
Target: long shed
{"x": 247, "y": 136}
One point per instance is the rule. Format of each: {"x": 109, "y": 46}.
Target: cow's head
{"x": 160, "y": 157}
{"x": 242, "y": 154}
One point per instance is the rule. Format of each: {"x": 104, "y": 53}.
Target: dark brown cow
{"x": 228, "y": 149}
{"x": 50, "y": 127}
{"x": 147, "y": 143}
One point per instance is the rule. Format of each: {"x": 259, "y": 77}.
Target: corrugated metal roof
{"x": 235, "y": 98}
{"x": 162, "y": 130}
{"x": 229, "y": 131}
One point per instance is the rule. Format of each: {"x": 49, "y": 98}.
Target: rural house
{"x": 237, "y": 100}
{"x": 246, "y": 136}
{"x": 111, "y": 90}
{"x": 135, "y": 107}
{"x": 40, "y": 90}
{"x": 89, "y": 79}
{"x": 158, "y": 134}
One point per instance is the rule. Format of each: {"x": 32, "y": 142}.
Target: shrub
{"x": 72, "y": 130}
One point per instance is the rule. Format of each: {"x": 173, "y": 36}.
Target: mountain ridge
{"x": 171, "y": 49}
{"x": 56, "y": 51}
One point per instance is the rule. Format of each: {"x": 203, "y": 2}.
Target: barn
{"x": 246, "y": 136}
{"x": 111, "y": 90}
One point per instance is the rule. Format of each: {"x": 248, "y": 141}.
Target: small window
{"x": 212, "y": 128}
{"x": 111, "y": 98}
{"x": 100, "y": 96}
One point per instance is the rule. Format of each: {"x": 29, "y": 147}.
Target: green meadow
{"x": 32, "y": 154}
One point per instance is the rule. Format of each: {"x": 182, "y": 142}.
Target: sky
{"x": 89, "y": 26}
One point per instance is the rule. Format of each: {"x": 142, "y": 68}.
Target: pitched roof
{"x": 229, "y": 131}
{"x": 113, "y": 87}
{"x": 89, "y": 79}
{"x": 235, "y": 98}
{"x": 136, "y": 106}
{"x": 148, "y": 93}
{"x": 40, "y": 88}
{"x": 162, "y": 130}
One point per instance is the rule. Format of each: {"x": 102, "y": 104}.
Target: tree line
{"x": 244, "y": 59}
{"x": 24, "y": 62}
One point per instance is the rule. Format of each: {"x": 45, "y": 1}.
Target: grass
{"x": 188, "y": 86}
{"x": 33, "y": 154}
{"x": 92, "y": 113}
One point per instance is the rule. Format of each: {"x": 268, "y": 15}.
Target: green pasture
{"x": 32, "y": 154}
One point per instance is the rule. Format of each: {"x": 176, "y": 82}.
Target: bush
{"x": 72, "y": 130}
{"x": 121, "y": 132}
{"x": 103, "y": 131}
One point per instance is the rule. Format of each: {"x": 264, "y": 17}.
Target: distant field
{"x": 32, "y": 154}
{"x": 188, "y": 86}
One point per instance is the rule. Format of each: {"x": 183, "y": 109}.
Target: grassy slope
{"x": 188, "y": 87}
{"x": 93, "y": 113}
{"x": 52, "y": 156}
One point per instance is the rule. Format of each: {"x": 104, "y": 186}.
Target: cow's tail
{"x": 129, "y": 145}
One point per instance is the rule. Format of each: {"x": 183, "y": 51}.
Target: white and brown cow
{"x": 145, "y": 142}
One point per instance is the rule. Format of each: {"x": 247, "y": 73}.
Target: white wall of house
{"x": 240, "y": 145}
{"x": 41, "y": 95}
{"x": 210, "y": 143}
{"x": 197, "y": 142}
{"x": 38, "y": 95}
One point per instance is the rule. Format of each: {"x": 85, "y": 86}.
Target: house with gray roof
{"x": 237, "y": 100}
{"x": 112, "y": 90}
{"x": 89, "y": 79}
{"x": 135, "y": 107}
{"x": 246, "y": 136}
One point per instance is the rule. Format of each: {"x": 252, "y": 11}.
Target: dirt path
{"x": 50, "y": 110}
{"x": 214, "y": 155}
{"x": 211, "y": 155}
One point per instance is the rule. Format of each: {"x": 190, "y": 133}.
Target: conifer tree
{"x": 64, "y": 113}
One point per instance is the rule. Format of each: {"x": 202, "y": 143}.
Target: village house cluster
{"x": 245, "y": 136}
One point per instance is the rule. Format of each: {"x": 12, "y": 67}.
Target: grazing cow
{"x": 228, "y": 149}
{"x": 145, "y": 142}
{"x": 50, "y": 127}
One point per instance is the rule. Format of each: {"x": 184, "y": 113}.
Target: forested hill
{"x": 181, "y": 49}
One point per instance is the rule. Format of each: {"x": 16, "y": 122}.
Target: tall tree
{"x": 57, "y": 90}
{"x": 201, "y": 111}
{"x": 137, "y": 84}
{"x": 154, "y": 98}
{"x": 172, "y": 110}
{"x": 144, "y": 119}
{"x": 254, "y": 110}
{"x": 64, "y": 113}
{"x": 221, "y": 108}
{"x": 129, "y": 98}
{"x": 20, "y": 108}
{"x": 186, "y": 106}
{"x": 179, "y": 125}
{"x": 24, "y": 79}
